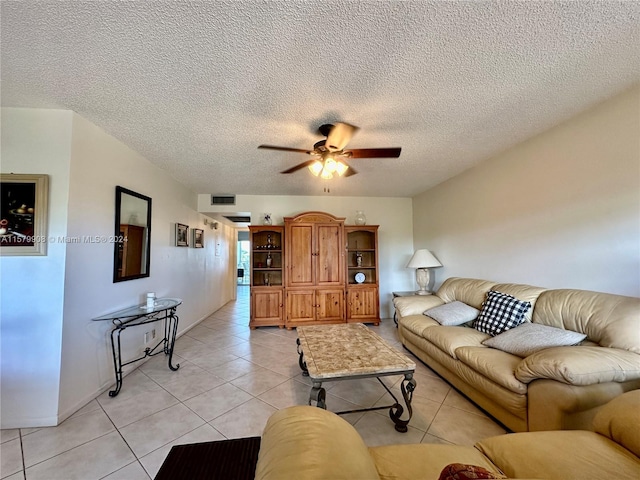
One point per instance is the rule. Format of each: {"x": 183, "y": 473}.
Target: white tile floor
{"x": 231, "y": 379}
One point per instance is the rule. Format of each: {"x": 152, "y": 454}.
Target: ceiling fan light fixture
{"x": 326, "y": 174}
{"x": 341, "y": 168}
{"x": 327, "y": 154}
{"x": 316, "y": 167}
{"x": 330, "y": 165}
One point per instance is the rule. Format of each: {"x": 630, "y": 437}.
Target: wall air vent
{"x": 223, "y": 199}
{"x": 238, "y": 218}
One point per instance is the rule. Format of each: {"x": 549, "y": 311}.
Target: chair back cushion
{"x": 312, "y": 444}
{"x": 620, "y": 421}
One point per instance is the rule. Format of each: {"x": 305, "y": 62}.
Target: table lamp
{"x": 422, "y": 260}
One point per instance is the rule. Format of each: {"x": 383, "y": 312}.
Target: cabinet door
{"x": 330, "y": 305}
{"x": 362, "y": 305}
{"x": 266, "y": 307}
{"x": 299, "y": 254}
{"x": 329, "y": 255}
{"x": 301, "y": 306}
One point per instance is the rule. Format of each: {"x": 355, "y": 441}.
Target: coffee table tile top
{"x": 351, "y": 349}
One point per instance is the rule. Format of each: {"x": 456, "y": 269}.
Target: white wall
{"x": 32, "y": 286}
{"x": 561, "y": 210}
{"x": 395, "y": 235}
{"x": 73, "y": 361}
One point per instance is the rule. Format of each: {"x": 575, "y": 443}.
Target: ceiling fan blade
{"x": 339, "y": 136}
{"x": 299, "y": 166}
{"x": 374, "y": 152}
{"x": 286, "y": 149}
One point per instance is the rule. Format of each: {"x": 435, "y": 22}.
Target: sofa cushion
{"x": 467, "y": 290}
{"x": 588, "y": 455}
{"x": 449, "y": 339}
{"x": 611, "y": 320}
{"x": 580, "y": 365}
{"x": 454, "y": 313}
{"x": 619, "y": 420}
{"x": 500, "y": 312}
{"x": 414, "y": 461}
{"x": 496, "y": 365}
{"x": 529, "y": 338}
{"x": 418, "y": 323}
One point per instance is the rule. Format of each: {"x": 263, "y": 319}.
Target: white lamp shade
{"x": 423, "y": 258}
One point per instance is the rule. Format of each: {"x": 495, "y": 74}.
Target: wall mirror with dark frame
{"x": 132, "y": 254}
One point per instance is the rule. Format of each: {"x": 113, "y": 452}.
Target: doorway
{"x": 244, "y": 257}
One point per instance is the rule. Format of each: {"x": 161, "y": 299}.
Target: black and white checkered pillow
{"x": 500, "y": 312}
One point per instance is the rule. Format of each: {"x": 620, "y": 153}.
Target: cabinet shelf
{"x": 266, "y": 282}
{"x": 363, "y": 298}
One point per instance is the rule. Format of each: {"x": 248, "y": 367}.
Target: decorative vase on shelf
{"x": 360, "y": 218}
{"x": 268, "y": 260}
{"x": 266, "y": 219}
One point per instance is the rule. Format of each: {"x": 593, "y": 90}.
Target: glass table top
{"x": 160, "y": 305}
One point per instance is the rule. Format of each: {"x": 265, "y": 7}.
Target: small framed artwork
{"x": 198, "y": 238}
{"x": 23, "y": 214}
{"x": 182, "y": 235}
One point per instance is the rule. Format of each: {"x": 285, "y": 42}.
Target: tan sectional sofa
{"x": 313, "y": 444}
{"x": 557, "y": 388}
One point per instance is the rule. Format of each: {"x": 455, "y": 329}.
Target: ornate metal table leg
{"x": 117, "y": 361}
{"x": 301, "y": 362}
{"x": 171, "y": 329}
{"x": 407, "y": 387}
{"x": 318, "y": 395}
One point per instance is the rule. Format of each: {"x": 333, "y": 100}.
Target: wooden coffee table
{"x": 350, "y": 351}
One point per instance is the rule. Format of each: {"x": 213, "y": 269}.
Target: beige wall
{"x": 561, "y": 210}
{"x": 54, "y": 357}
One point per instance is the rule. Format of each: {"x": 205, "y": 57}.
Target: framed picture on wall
{"x": 23, "y": 214}
{"x": 198, "y": 238}
{"x": 182, "y": 235}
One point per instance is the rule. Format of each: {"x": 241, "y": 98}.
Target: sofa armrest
{"x": 311, "y": 443}
{"x": 416, "y": 304}
{"x": 560, "y": 455}
{"x": 580, "y": 365}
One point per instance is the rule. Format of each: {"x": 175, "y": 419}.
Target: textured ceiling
{"x": 196, "y": 86}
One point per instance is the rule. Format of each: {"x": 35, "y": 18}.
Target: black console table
{"x": 164, "y": 309}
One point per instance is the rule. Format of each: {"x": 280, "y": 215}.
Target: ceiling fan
{"x": 329, "y": 155}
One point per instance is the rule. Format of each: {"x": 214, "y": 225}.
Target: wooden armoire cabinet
{"x": 316, "y": 266}
{"x": 314, "y": 269}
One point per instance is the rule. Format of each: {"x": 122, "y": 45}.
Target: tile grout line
{"x": 24, "y": 466}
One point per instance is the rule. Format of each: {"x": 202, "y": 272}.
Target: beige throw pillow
{"x": 454, "y": 313}
{"x": 529, "y": 338}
